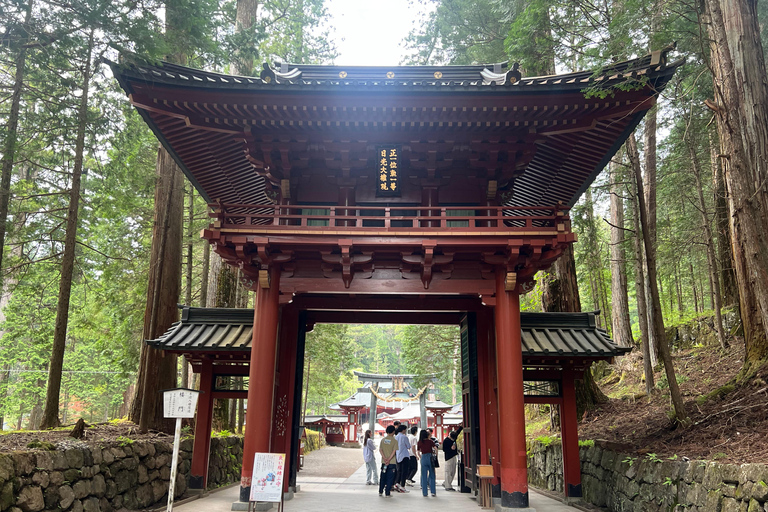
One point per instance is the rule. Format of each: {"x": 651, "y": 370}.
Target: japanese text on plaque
{"x": 388, "y": 160}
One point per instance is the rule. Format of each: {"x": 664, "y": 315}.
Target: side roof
{"x": 219, "y": 330}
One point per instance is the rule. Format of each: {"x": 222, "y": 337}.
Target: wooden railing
{"x": 391, "y": 218}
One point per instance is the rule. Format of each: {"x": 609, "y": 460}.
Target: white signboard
{"x": 179, "y": 403}
{"x": 267, "y": 481}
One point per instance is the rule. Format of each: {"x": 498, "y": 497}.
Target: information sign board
{"x": 267, "y": 481}
{"x": 179, "y": 403}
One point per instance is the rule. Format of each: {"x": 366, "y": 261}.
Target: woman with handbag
{"x": 427, "y": 451}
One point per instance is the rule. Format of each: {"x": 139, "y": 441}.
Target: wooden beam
{"x": 387, "y": 286}
{"x": 371, "y": 317}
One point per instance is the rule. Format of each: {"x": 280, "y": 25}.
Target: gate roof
{"x": 227, "y": 333}
{"x": 542, "y": 139}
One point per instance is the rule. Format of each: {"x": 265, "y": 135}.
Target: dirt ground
{"x": 100, "y": 433}
{"x": 729, "y": 428}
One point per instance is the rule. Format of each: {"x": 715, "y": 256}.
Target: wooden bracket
{"x": 347, "y": 260}
{"x": 510, "y": 282}
{"x": 264, "y": 279}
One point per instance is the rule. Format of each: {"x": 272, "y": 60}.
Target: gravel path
{"x": 332, "y": 462}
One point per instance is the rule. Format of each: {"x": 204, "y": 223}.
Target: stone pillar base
{"x": 243, "y": 506}
{"x": 499, "y": 508}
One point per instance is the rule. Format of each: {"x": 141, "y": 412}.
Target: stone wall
{"x": 88, "y": 478}
{"x": 622, "y": 482}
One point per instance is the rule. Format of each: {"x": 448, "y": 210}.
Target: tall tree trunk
{"x": 51, "y": 412}
{"x": 306, "y": 390}
{"x": 560, "y": 290}
{"x": 188, "y": 276}
{"x": 741, "y": 107}
{"x": 694, "y": 286}
{"x": 157, "y": 369}
{"x": 678, "y": 294}
{"x": 11, "y": 138}
{"x": 649, "y": 141}
{"x": 204, "y": 275}
{"x": 709, "y": 242}
{"x": 729, "y": 290}
{"x": 225, "y": 297}
{"x": 622, "y": 329}
{"x": 658, "y": 320}
{"x": 561, "y": 294}
{"x": 649, "y": 356}
{"x": 4, "y": 377}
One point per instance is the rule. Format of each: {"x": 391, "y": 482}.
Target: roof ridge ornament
{"x": 495, "y": 77}
{"x": 271, "y": 75}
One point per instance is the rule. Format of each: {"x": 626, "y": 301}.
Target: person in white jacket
{"x": 369, "y": 456}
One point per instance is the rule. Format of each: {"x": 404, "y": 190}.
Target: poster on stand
{"x": 267, "y": 481}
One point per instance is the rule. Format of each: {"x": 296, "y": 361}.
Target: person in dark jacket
{"x": 450, "y": 450}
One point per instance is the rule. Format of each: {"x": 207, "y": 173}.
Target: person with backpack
{"x": 388, "y": 451}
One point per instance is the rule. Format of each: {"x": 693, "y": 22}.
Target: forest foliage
{"x": 45, "y": 51}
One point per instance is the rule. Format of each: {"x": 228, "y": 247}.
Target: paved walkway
{"x": 331, "y": 494}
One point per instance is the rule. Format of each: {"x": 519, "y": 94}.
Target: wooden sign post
{"x": 177, "y": 403}
{"x": 267, "y": 480}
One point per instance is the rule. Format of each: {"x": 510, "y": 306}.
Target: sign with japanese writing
{"x": 267, "y": 480}
{"x": 388, "y": 171}
{"x": 179, "y": 403}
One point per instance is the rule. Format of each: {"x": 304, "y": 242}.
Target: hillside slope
{"x": 729, "y": 421}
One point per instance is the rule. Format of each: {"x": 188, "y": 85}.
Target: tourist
{"x": 388, "y": 451}
{"x": 403, "y": 458}
{"x": 451, "y": 458}
{"x": 414, "y": 457}
{"x": 426, "y": 449}
{"x": 369, "y": 456}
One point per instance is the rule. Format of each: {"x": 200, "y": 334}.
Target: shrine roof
{"x": 407, "y": 377}
{"x": 438, "y": 404}
{"x": 224, "y": 331}
{"x": 333, "y": 418}
{"x": 542, "y": 139}
{"x": 284, "y": 76}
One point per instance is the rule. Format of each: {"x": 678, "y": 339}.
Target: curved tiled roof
{"x": 216, "y": 125}
{"x": 543, "y": 335}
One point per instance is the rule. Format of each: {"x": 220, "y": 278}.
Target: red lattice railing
{"x": 394, "y": 218}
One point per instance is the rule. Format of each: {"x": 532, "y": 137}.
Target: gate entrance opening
{"x": 398, "y": 195}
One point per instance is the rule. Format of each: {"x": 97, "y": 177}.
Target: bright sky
{"x": 371, "y": 32}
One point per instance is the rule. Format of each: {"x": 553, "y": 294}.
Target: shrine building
{"x": 410, "y": 195}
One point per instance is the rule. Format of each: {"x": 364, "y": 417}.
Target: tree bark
{"x": 157, "y": 370}
{"x": 649, "y": 141}
{"x": 245, "y": 18}
{"x": 561, "y": 294}
{"x": 50, "y": 417}
{"x": 11, "y": 138}
{"x": 741, "y": 107}
{"x": 622, "y": 329}
{"x": 710, "y": 245}
{"x": 729, "y": 290}
{"x": 188, "y": 276}
{"x": 649, "y": 359}
{"x": 658, "y": 320}
{"x": 560, "y": 290}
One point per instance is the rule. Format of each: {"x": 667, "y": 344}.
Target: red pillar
{"x": 570, "y": 434}
{"x": 486, "y": 369}
{"x": 509, "y": 359}
{"x": 261, "y": 379}
{"x": 201, "y": 451}
{"x": 282, "y": 424}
